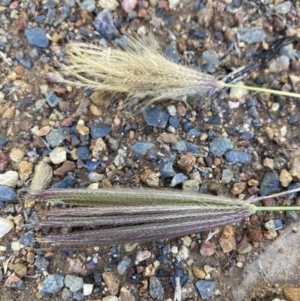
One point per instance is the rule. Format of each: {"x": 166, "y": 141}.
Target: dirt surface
{"x": 46, "y": 139}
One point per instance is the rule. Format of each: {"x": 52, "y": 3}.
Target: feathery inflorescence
{"x": 138, "y": 69}
{"x": 136, "y": 215}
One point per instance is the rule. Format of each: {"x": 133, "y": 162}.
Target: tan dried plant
{"x": 140, "y": 70}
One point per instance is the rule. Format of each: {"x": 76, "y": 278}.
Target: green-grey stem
{"x": 264, "y": 90}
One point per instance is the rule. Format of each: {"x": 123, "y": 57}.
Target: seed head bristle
{"x": 138, "y": 69}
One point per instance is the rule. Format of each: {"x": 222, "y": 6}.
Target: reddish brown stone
{"x": 256, "y": 235}
{"x": 26, "y": 124}
{"x": 65, "y": 106}
{"x": 3, "y": 161}
{"x": 65, "y": 168}
{"x": 38, "y": 142}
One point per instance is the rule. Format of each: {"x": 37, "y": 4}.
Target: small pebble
{"x": 269, "y": 184}
{"x": 156, "y": 289}
{"x": 141, "y": 148}
{"x": 7, "y": 194}
{"x": 9, "y": 178}
{"x": 123, "y": 266}
{"x": 178, "y": 179}
{"x": 110, "y": 298}
{"x": 205, "y": 288}
{"x": 37, "y": 37}
{"x": 66, "y": 294}
{"x": 219, "y": 146}
{"x": 5, "y": 226}
{"x": 209, "y": 61}
{"x": 112, "y": 282}
{"x": 74, "y": 283}
{"x": 58, "y": 155}
{"x": 251, "y": 35}
{"x": 99, "y": 131}
{"x": 156, "y": 117}
{"x": 235, "y": 156}
{"x": 104, "y": 25}
{"x": 183, "y": 253}
{"x": 52, "y": 284}
{"x": 142, "y": 255}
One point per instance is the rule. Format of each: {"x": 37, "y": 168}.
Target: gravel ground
{"x": 235, "y": 143}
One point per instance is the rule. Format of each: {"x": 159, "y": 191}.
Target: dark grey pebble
{"x": 174, "y": 121}
{"x": 166, "y": 167}
{"x": 269, "y": 184}
{"x": 83, "y": 152}
{"x": 40, "y": 19}
{"x": 99, "y": 130}
{"x": 113, "y": 144}
{"x": 123, "y": 266}
{"x": 7, "y": 193}
{"x": 52, "y": 284}
{"x": 208, "y": 61}
{"x": 206, "y": 288}
{"x": 41, "y": 263}
{"x": 156, "y": 289}
{"x": 52, "y": 99}
{"x": 6, "y": 2}
{"x": 214, "y": 120}
{"x": 57, "y": 136}
{"x": 253, "y": 112}
{"x": 2, "y": 140}
{"x": 186, "y": 126}
{"x": 293, "y": 215}
{"x": 251, "y": 35}
{"x": 104, "y": 25}
{"x": 180, "y": 146}
{"x": 293, "y": 119}
{"x": 67, "y": 182}
{"x": 92, "y": 165}
{"x": 292, "y": 186}
{"x": 97, "y": 277}
{"x": 237, "y": 3}
{"x": 193, "y": 148}
{"x": 10, "y": 208}
{"x": 26, "y": 63}
{"x": 50, "y": 4}
{"x": 37, "y": 37}
{"x": 89, "y": 5}
{"x": 141, "y": 148}
{"x": 197, "y": 33}
{"x": 78, "y": 296}
{"x": 247, "y": 135}
{"x": 194, "y": 132}
{"x": 74, "y": 283}
{"x": 234, "y": 156}
{"x": 154, "y": 116}
{"x": 219, "y": 146}
{"x": 152, "y": 155}
{"x": 178, "y": 179}
{"x": 172, "y": 54}
{"x": 252, "y": 102}
{"x": 27, "y": 239}
{"x": 183, "y": 278}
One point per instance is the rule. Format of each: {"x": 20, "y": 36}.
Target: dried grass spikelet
{"x": 138, "y": 69}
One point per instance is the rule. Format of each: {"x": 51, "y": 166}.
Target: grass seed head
{"x": 137, "y": 68}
